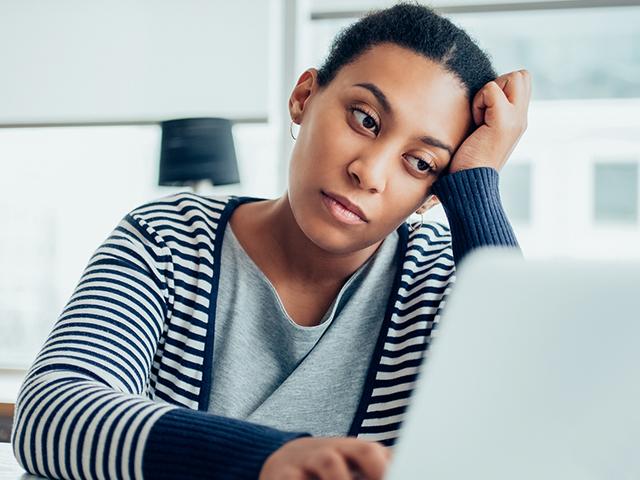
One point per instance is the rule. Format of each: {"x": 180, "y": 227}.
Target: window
{"x": 616, "y": 192}
{"x": 572, "y": 54}
{"x": 515, "y": 191}
{"x": 62, "y": 191}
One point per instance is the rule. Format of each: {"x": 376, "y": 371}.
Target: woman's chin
{"x": 333, "y": 239}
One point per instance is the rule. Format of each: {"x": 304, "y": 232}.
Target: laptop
{"x": 534, "y": 374}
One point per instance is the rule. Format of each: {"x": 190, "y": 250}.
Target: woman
{"x": 237, "y": 337}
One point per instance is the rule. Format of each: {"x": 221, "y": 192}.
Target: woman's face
{"x": 377, "y": 136}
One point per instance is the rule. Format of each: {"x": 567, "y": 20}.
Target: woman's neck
{"x": 271, "y": 236}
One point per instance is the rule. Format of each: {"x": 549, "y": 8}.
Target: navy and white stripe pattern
{"x": 134, "y": 343}
{"x": 427, "y": 274}
{"x": 84, "y": 398}
{"x": 133, "y": 331}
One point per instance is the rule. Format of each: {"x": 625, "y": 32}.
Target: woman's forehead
{"x": 407, "y": 87}
{"x": 402, "y": 75}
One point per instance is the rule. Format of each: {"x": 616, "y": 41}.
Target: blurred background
{"x": 84, "y": 85}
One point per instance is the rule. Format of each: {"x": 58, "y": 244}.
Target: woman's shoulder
{"x": 183, "y": 204}
{"x": 185, "y": 219}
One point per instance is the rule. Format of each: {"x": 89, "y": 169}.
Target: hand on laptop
{"x": 500, "y": 113}
{"x": 334, "y": 458}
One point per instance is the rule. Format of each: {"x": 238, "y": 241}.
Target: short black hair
{"x": 418, "y": 28}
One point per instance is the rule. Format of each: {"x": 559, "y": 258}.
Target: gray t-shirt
{"x": 269, "y": 370}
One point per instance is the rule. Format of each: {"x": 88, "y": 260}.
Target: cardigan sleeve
{"x": 83, "y": 409}
{"x": 471, "y": 200}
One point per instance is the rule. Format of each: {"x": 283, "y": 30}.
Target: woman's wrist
{"x": 189, "y": 443}
{"x": 471, "y": 200}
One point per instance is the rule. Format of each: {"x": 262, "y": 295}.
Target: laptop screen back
{"x": 534, "y": 373}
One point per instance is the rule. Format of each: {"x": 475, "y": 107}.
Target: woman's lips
{"x": 340, "y": 212}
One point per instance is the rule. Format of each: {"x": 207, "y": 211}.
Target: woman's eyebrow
{"x": 434, "y": 142}
{"x": 386, "y": 106}
{"x": 381, "y": 97}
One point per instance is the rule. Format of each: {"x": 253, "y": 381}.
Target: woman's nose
{"x": 370, "y": 170}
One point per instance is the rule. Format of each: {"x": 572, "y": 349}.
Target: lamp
{"x": 197, "y": 152}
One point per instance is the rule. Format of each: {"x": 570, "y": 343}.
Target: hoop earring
{"x": 417, "y": 224}
{"x": 291, "y": 130}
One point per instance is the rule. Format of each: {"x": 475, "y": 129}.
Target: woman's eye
{"x": 366, "y": 120}
{"x": 419, "y": 164}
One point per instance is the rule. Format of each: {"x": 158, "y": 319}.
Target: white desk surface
{"x": 9, "y": 468}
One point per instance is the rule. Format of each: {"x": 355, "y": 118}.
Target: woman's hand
{"x": 335, "y": 458}
{"x": 500, "y": 113}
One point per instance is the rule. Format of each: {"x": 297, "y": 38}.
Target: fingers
{"x": 334, "y": 458}
{"x": 515, "y": 85}
{"x": 521, "y": 92}
{"x": 478, "y": 107}
{"x": 527, "y": 80}
{"x": 520, "y": 95}
{"x": 370, "y": 458}
{"x": 510, "y": 91}
{"x": 490, "y": 97}
{"x": 291, "y": 473}
{"x": 328, "y": 464}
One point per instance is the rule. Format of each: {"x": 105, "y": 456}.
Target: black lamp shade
{"x": 196, "y": 149}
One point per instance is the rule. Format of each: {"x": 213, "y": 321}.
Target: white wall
{"x": 75, "y": 61}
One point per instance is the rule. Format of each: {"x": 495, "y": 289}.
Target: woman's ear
{"x": 431, "y": 201}
{"x": 307, "y": 84}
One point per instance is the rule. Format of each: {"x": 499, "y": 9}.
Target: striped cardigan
{"x": 121, "y": 387}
